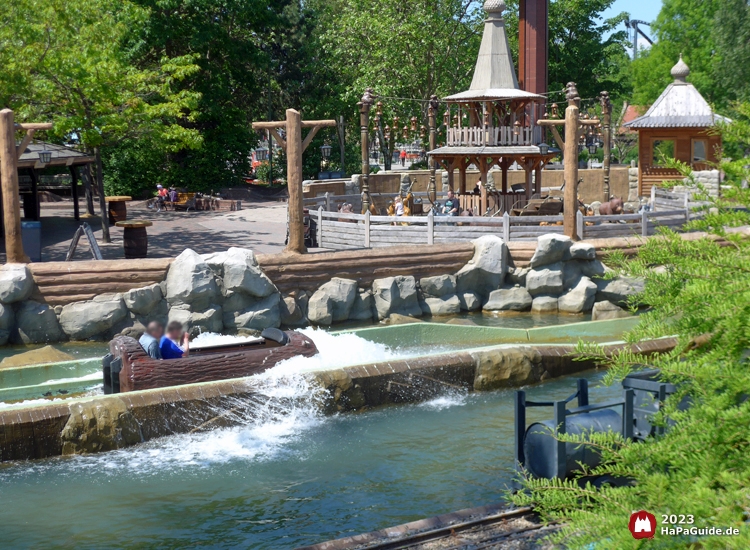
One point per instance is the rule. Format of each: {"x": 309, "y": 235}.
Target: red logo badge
{"x": 642, "y": 525}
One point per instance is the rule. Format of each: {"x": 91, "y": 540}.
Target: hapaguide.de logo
{"x": 642, "y": 525}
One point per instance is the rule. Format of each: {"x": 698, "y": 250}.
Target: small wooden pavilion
{"x": 493, "y": 123}
{"x": 29, "y": 164}
{"x": 677, "y": 125}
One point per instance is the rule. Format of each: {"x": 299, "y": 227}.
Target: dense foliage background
{"x": 165, "y": 91}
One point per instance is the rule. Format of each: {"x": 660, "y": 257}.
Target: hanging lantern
{"x": 555, "y": 112}
{"x": 379, "y": 108}
{"x": 395, "y": 125}
{"x": 387, "y": 132}
{"x": 422, "y": 131}
{"x": 486, "y": 118}
{"x": 455, "y": 120}
{"x": 413, "y": 121}
{"x": 325, "y": 151}
{"x": 405, "y": 133}
{"x": 261, "y": 154}
{"x": 45, "y": 156}
{"x": 517, "y": 128}
{"x": 446, "y": 117}
{"x": 543, "y": 149}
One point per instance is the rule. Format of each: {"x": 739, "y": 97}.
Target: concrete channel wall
{"x": 97, "y": 424}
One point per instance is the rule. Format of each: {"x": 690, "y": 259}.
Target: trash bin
{"x": 31, "y": 236}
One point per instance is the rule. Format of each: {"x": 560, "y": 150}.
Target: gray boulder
{"x": 443, "y": 305}
{"x": 619, "y": 290}
{"x": 582, "y": 251}
{"x": 544, "y": 304}
{"x": 142, "y": 301}
{"x": 517, "y": 276}
{"x": 190, "y": 281}
{"x": 334, "y": 298}
{"x": 82, "y": 320}
{"x": 362, "y": 306}
{"x": 592, "y": 268}
{"x": 16, "y": 283}
{"x": 545, "y": 280}
{"x": 470, "y": 301}
{"x": 396, "y": 295}
{"x": 509, "y": 299}
{"x": 578, "y": 299}
{"x": 7, "y": 323}
{"x": 291, "y": 313}
{"x": 607, "y": 310}
{"x": 550, "y": 248}
{"x": 240, "y": 273}
{"x": 195, "y": 322}
{"x": 439, "y": 285}
{"x": 485, "y": 272}
{"x": 260, "y": 314}
{"x": 405, "y": 183}
{"x": 36, "y": 324}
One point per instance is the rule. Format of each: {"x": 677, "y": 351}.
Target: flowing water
{"x": 285, "y": 477}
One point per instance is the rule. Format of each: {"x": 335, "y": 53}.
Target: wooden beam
{"x": 558, "y": 139}
{"x": 279, "y": 139}
{"x": 25, "y": 143}
{"x": 270, "y": 125}
{"x": 571, "y": 172}
{"x": 34, "y": 125}
{"x": 309, "y": 137}
{"x": 318, "y": 123}
{"x": 296, "y": 243}
{"x": 9, "y": 184}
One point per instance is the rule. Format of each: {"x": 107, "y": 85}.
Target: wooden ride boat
{"x": 128, "y": 367}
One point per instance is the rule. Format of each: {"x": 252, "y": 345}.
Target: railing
{"x": 477, "y": 136}
{"x": 331, "y": 203}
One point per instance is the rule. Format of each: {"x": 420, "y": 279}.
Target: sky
{"x": 645, "y": 10}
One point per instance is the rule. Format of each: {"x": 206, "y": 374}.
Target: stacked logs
{"x": 60, "y": 283}
{"x": 310, "y": 271}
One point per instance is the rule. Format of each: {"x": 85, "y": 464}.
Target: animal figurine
{"x": 614, "y": 206}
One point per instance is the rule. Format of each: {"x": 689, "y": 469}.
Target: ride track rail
{"x": 475, "y": 528}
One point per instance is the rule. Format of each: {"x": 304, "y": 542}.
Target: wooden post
{"x": 364, "y": 128}
{"x": 320, "y": 227}
{"x": 296, "y": 242}
{"x": 538, "y": 178}
{"x": 644, "y": 223}
{"x": 88, "y": 191}
{"x": 432, "y": 112}
{"x": 74, "y": 192}
{"x": 367, "y": 229}
{"x": 9, "y": 182}
{"x": 571, "y": 164}
{"x": 462, "y": 178}
{"x": 431, "y": 227}
{"x": 607, "y": 136}
{"x": 102, "y": 200}
{"x": 483, "y": 177}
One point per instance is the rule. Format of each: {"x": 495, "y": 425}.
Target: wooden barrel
{"x": 135, "y": 242}
{"x": 118, "y": 212}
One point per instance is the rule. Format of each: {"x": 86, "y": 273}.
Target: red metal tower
{"x": 533, "y": 39}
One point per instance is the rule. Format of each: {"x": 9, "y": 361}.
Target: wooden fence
{"x": 338, "y": 231}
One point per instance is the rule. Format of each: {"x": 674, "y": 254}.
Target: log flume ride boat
{"x": 128, "y": 367}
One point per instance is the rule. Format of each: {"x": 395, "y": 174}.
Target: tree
{"x": 682, "y": 27}
{"x": 78, "y": 74}
{"x": 701, "y": 465}
{"x": 732, "y": 37}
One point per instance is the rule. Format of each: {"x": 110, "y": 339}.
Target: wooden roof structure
{"x": 61, "y": 156}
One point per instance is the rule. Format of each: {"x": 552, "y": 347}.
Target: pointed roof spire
{"x": 680, "y": 72}
{"x": 494, "y": 73}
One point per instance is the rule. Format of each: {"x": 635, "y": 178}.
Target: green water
{"x": 277, "y": 482}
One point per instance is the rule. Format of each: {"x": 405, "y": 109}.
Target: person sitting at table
{"x": 174, "y": 344}
{"x": 150, "y": 339}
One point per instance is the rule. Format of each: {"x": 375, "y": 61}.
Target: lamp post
{"x": 543, "y": 149}
{"x": 432, "y": 112}
{"x": 364, "y": 124}
{"x": 607, "y": 138}
{"x": 325, "y": 154}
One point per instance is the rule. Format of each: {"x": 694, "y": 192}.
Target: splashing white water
{"x": 456, "y": 399}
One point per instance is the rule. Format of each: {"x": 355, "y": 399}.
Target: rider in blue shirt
{"x": 168, "y": 344}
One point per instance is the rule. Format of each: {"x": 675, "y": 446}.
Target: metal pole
{"x": 342, "y": 144}
{"x": 364, "y": 123}
{"x": 571, "y": 162}
{"x": 583, "y": 392}
{"x": 432, "y": 112}
{"x": 520, "y": 427}
{"x": 9, "y": 180}
{"x": 561, "y": 457}
{"x": 607, "y": 135}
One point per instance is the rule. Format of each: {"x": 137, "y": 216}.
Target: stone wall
{"x": 229, "y": 292}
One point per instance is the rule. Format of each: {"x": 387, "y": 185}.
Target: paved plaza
{"x": 260, "y": 226}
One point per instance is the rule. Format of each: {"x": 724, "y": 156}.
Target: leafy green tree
{"x": 732, "y": 37}
{"x": 682, "y": 27}
{"x": 78, "y": 74}
{"x": 699, "y": 291}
